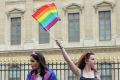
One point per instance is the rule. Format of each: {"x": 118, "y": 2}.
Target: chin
{"x": 93, "y": 67}
{"x": 33, "y": 68}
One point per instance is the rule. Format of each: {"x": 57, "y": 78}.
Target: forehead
{"x": 92, "y": 56}
{"x": 31, "y": 58}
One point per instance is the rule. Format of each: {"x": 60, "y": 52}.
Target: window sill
{"x": 44, "y": 0}
{"x": 14, "y": 1}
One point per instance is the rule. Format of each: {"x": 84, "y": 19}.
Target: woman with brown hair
{"x": 87, "y": 65}
{"x": 40, "y": 71}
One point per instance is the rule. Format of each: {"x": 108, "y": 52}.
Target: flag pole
{"x": 51, "y": 34}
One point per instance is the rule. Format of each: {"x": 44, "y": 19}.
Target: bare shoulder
{"x": 78, "y": 73}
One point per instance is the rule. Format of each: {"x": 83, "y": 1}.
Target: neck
{"x": 87, "y": 68}
{"x": 38, "y": 70}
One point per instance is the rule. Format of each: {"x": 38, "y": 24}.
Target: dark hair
{"x": 41, "y": 60}
{"x": 81, "y": 62}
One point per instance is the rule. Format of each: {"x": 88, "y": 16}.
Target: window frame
{"x": 43, "y": 32}
{"x": 12, "y": 43}
{"x": 105, "y": 39}
{"x": 69, "y": 40}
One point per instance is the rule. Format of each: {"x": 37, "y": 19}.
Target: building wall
{"x": 89, "y": 27}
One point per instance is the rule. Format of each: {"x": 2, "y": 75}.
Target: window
{"x": 73, "y": 27}
{"x": 14, "y": 73}
{"x": 16, "y": 31}
{"x": 104, "y": 25}
{"x": 43, "y": 36}
{"x": 106, "y": 72}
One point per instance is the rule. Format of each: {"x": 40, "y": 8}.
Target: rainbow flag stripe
{"x": 47, "y": 16}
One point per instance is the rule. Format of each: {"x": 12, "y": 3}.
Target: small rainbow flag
{"x": 47, "y": 16}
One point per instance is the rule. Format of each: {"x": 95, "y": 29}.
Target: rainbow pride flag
{"x": 47, "y": 16}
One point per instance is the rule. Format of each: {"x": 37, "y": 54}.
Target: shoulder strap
{"x": 81, "y": 75}
{"x": 95, "y": 74}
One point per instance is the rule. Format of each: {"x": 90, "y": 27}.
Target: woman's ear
{"x": 86, "y": 60}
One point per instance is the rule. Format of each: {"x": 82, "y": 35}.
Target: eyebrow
{"x": 31, "y": 60}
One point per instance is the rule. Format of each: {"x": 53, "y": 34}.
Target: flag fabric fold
{"x": 47, "y": 16}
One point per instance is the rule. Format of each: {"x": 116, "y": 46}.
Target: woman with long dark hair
{"x": 39, "y": 68}
{"x": 86, "y": 68}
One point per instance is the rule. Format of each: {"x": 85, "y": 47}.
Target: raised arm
{"x": 70, "y": 63}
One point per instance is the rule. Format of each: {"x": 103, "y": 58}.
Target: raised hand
{"x": 59, "y": 44}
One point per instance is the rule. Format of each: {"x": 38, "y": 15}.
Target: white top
{"x": 39, "y": 78}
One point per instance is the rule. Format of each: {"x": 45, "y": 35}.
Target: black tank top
{"x": 83, "y": 78}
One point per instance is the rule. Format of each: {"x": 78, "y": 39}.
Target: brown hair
{"x": 81, "y": 62}
{"x": 41, "y": 60}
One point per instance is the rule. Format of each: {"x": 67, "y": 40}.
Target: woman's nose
{"x": 95, "y": 61}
